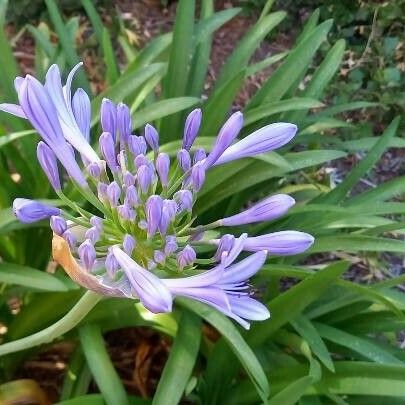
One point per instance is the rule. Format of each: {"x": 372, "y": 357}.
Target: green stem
{"x": 65, "y": 324}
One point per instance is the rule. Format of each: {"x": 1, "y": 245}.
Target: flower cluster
{"x": 134, "y": 236}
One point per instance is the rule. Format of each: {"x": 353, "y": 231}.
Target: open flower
{"x": 140, "y": 241}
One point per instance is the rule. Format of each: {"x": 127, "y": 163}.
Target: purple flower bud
{"x": 128, "y": 244}
{"x": 151, "y": 265}
{"x": 82, "y": 112}
{"x": 265, "y": 210}
{"x": 191, "y": 128}
{"x": 159, "y": 257}
{"x": 171, "y": 245}
{"x": 186, "y": 257}
{"x": 263, "y": 140}
{"x": 144, "y": 176}
{"x": 124, "y": 122}
{"x": 282, "y": 243}
{"x": 199, "y": 155}
{"x": 58, "y": 224}
{"x": 102, "y": 192}
{"x": 108, "y": 116}
{"x": 47, "y": 160}
{"x": 126, "y": 212}
{"x": 152, "y": 137}
{"x": 162, "y": 167}
{"x": 97, "y": 222}
{"x": 87, "y": 254}
{"x": 154, "y": 205}
{"x": 129, "y": 179}
{"x": 141, "y": 160}
{"x": 111, "y": 264}
{"x": 197, "y": 176}
{"x": 131, "y": 197}
{"x": 93, "y": 234}
{"x": 183, "y": 157}
{"x": 107, "y": 147}
{"x": 142, "y": 224}
{"x": 171, "y": 207}
{"x": 165, "y": 220}
{"x": 137, "y": 145}
{"x": 225, "y": 245}
{"x": 184, "y": 199}
{"x": 70, "y": 238}
{"x": 113, "y": 193}
{"x": 227, "y": 134}
{"x": 29, "y": 211}
{"x": 94, "y": 170}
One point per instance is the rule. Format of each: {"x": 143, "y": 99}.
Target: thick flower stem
{"x": 65, "y": 324}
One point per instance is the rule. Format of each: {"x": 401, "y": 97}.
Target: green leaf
{"x": 100, "y": 364}
{"x": 162, "y": 109}
{"x": 11, "y": 273}
{"x": 218, "y": 105}
{"x": 184, "y": 352}
{"x": 6, "y": 139}
{"x": 230, "y": 333}
{"x": 43, "y": 41}
{"x": 293, "y": 392}
{"x": 125, "y": 86}
{"x": 64, "y": 39}
{"x": 307, "y": 330}
{"x": 175, "y": 82}
{"x": 354, "y": 243}
{"x": 369, "y": 142}
{"x": 292, "y": 68}
{"x": 109, "y": 58}
{"x": 321, "y": 78}
{"x": 244, "y": 50}
{"x": 265, "y": 63}
{"x": 94, "y": 19}
{"x": 340, "y": 192}
{"x": 289, "y": 305}
{"x": 268, "y": 109}
{"x": 357, "y": 344}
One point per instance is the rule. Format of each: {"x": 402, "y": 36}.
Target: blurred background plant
{"x": 331, "y": 338}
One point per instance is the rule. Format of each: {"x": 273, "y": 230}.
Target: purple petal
{"x": 13, "y": 109}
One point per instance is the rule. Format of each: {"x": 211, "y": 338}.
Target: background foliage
{"x": 330, "y": 339}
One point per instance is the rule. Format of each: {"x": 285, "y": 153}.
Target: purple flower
{"x": 186, "y": 257}
{"x": 97, "y": 222}
{"x": 184, "y": 200}
{"x": 111, "y": 264}
{"x": 152, "y": 137}
{"x": 227, "y": 134}
{"x": 70, "y": 238}
{"x": 108, "y": 116}
{"x": 128, "y": 244}
{"x": 197, "y": 176}
{"x": 107, "y": 147}
{"x": 265, "y": 210}
{"x": 183, "y": 157}
{"x": 29, "y": 211}
{"x": 145, "y": 177}
{"x": 131, "y": 197}
{"x": 151, "y": 291}
{"x": 82, "y": 112}
{"x": 263, "y": 140}
{"x": 87, "y": 254}
{"x": 93, "y": 234}
{"x": 170, "y": 245}
{"x": 283, "y": 243}
{"x": 49, "y": 164}
{"x": 165, "y": 220}
{"x": 154, "y": 205}
{"x": 129, "y": 179}
{"x": 58, "y": 224}
{"x": 113, "y": 193}
{"x": 94, "y": 170}
{"x": 124, "y": 122}
{"x": 225, "y": 244}
{"x": 199, "y": 155}
{"x": 162, "y": 167}
{"x": 191, "y": 128}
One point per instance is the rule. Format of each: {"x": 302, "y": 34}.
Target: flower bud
{"x": 47, "y": 160}
{"x": 124, "y": 123}
{"x": 184, "y": 200}
{"x": 93, "y": 234}
{"x": 199, "y": 155}
{"x": 113, "y": 193}
{"x": 152, "y": 137}
{"x": 186, "y": 257}
{"x": 191, "y": 127}
{"x": 197, "y": 176}
{"x": 170, "y": 245}
{"x": 87, "y": 254}
{"x": 162, "y": 167}
{"x": 128, "y": 244}
{"x": 108, "y": 116}
{"x": 183, "y": 157}
{"x": 107, "y": 147}
{"x": 145, "y": 177}
{"x": 29, "y": 211}
{"x": 153, "y": 207}
{"x": 58, "y": 224}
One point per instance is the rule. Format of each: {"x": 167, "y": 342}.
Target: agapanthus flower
{"x": 133, "y": 235}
